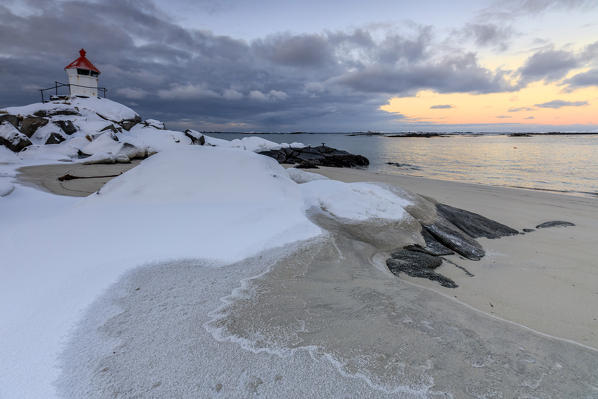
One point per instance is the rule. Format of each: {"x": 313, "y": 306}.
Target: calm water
{"x": 556, "y": 163}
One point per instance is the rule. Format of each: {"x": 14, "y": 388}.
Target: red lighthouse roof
{"x": 82, "y": 63}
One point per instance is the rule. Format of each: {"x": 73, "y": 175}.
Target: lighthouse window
{"x": 93, "y": 73}
{"x": 82, "y": 71}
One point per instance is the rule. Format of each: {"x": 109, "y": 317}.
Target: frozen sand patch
{"x": 395, "y": 336}
{"x": 153, "y": 344}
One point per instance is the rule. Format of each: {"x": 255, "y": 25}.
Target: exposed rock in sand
{"x": 455, "y": 240}
{"x": 554, "y": 223}
{"x": 433, "y": 247}
{"x": 418, "y": 264}
{"x": 473, "y": 224}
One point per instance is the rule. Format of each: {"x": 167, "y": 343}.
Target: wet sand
{"x": 46, "y": 177}
{"x": 546, "y": 280}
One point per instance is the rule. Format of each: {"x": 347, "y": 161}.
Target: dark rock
{"x": 473, "y": 224}
{"x": 63, "y": 112}
{"x": 528, "y": 230}
{"x": 455, "y": 240}
{"x": 196, "y": 137}
{"x": 111, "y": 127}
{"x": 317, "y": 156}
{"x": 307, "y": 165}
{"x": 127, "y": 124}
{"x": 66, "y": 126}
{"x": 432, "y": 247}
{"x": 31, "y": 123}
{"x": 418, "y": 264}
{"x": 82, "y": 155}
{"x": 15, "y": 140}
{"x": 554, "y": 223}
{"x": 41, "y": 113}
{"x": 520, "y": 135}
{"x": 12, "y": 119}
{"x": 55, "y": 138}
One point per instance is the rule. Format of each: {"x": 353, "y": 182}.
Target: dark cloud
{"x": 487, "y": 35}
{"x": 442, "y": 106}
{"x": 548, "y": 65}
{"x": 325, "y": 81}
{"x": 561, "y": 103}
{"x": 584, "y": 79}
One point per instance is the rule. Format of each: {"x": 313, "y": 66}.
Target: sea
{"x": 559, "y": 163}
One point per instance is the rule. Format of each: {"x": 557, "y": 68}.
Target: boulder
{"x": 11, "y": 138}
{"x": 450, "y": 237}
{"x": 55, "y": 138}
{"x": 31, "y": 123}
{"x": 418, "y": 264}
{"x": 473, "y": 224}
{"x": 317, "y": 156}
{"x": 554, "y": 223}
{"x": 433, "y": 247}
{"x": 127, "y": 124}
{"x": 12, "y": 119}
{"x": 196, "y": 137}
{"x": 66, "y": 126}
{"x": 111, "y": 127}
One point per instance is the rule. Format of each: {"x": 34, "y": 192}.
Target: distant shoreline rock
{"x": 312, "y": 157}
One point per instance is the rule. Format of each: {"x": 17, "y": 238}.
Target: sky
{"x": 318, "y": 66}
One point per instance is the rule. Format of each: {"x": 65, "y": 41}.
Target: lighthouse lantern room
{"x": 82, "y": 76}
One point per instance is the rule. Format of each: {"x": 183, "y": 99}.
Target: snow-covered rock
{"x": 11, "y": 138}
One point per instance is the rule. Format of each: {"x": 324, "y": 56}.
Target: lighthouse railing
{"x": 59, "y": 85}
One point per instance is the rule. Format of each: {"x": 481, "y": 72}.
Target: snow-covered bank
{"x": 217, "y": 204}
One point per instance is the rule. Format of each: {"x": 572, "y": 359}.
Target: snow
{"x": 301, "y": 176}
{"x": 354, "y": 201}
{"x": 7, "y": 156}
{"x": 222, "y": 205}
{"x": 107, "y": 108}
{"x": 6, "y": 188}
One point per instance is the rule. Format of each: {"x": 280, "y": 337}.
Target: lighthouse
{"x": 82, "y": 76}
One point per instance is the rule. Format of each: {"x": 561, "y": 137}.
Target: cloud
{"x": 584, "y": 79}
{"x": 503, "y": 116}
{"x": 132, "y": 93}
{"x": 548, "y": 65}
{"x": 519, "y": 109}
{"x": 442, "y": 106}
{"x": 331, "y": 80}
{"x": 487, "y": 34}
{"x": 561, "y": 103}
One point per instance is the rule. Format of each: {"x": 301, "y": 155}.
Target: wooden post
{"x": 56, "y": 88}
{"x": 42, "y": 93}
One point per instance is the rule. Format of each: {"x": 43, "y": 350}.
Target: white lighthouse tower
{"x": 82, "y": 76}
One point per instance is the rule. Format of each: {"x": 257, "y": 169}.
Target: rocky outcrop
{"x": 127, "y": 124}
{"x": 473, "y": 224}
{"x": 454, "y": 239}
{"x": 55, "y": 138}
{"x": 418, "y": 264}
{"x": 196, "y": 137}
{"x": 554, "y": 223}
{"x": 317, "y": 156}
{"x": 12, "y": 119}
{"x": 433, "y": 247}
{"x": 66, "y": 126}
{"x": 11, "y": 138}
{"x": 30, "y": 124}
